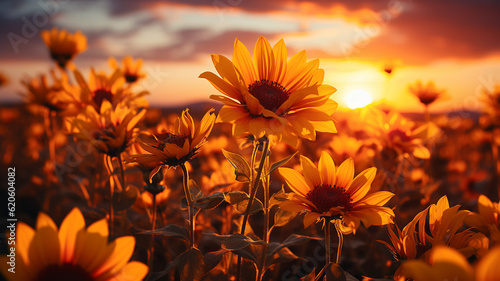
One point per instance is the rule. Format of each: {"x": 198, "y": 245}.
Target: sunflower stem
{"x": 327, "y": 242}
{"x": 265, "y": 238}
{"x": 109, "y": 164}
{"x": 122, "y": 172}
{"x": 151, "y": 243}
{"x": 341, "y": 240}
{"x": 50, "y": 138}
{"x": 189, "y": 200}
{"x": 253, "y": 191}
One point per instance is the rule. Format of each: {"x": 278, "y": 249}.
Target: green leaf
{"x": 212, "y": 259}
{"x": 126, "y": 198}
{"x": 239, "y": 201}
{"x": 241, "y": 167}
{"x": 282, "y": 256}
{"x": 239, "y": 241}
{"x": 280, "y": 163}
{"x": 282, "y": 217}
{"x": 279, "y": 197}
{"x": 292, "y": 240}
{"x": 190, "y": 265}
{"x": 209, "y": 202}
{"x": 171, "y": 230}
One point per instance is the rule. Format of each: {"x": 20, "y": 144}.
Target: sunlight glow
{"x": 358, "y": 98}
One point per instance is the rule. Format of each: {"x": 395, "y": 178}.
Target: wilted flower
{"x": 270, "y": 96}
{"x": 110, "y": 130}
{"x": 64, "y": 46}
{"x": 174, "y": 148}
{"x": 73, "y": 252}
{"x": 328, "y": 192}
{"x": 102, "y": 87}
{"x": 426, "y": 94}
{"x": 131, "y": 72}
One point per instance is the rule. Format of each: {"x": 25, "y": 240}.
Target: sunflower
{"x": 64, "y": 46}
{"x": 329, "y": 192}
{"x": 110, "y": 130}
{"x": 448, "y": 264}
{"x": 270, "y": 95}
{"x": 73, "y": 252}
{"x": 174, "y": 148}
{"x": 487, "y": 220}
{"x": 427, "y": 94}
{"x": 398, "y": 135}
{"x": 102, "y": 87}
{"x": 131, "y": 72}
{"x": 55, "y": 96}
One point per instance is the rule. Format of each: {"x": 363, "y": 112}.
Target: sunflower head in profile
{"x": 64, "y": 46}
{"x": 426, "y": 94}
{"x": 270, "y": 96}
{"x": 131, "y": 71}
{"x": 325, "y": 191}
{"x": 171, "y": 149}
{"x": 73, "y": 252}
{"x": 101, "y": 87}
{"x": 110, "y": 130}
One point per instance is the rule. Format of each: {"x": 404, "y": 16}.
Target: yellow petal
{"x": 378, "y": 198}
{"x": 70, "y": 226}
{"x": 280, "y": 56}
{"x": 243, "y": 62}
{"x": 133, "y": 271}
{"x": 361, "y": 184}
{"x": 487, "y": 269}
{"x": 45, "y": 249}
{"x": 309, "y": 218}
{"x": 221, "y": 85}
{"x": 310, "y": 172}
{"x": 327, "y": 169}
{"x": 227, "y": 71}
{"x": 345, "y": 173}
{"x": 295, "y": 181}
{"x": 24, "y": 236}
{"x": 263, "y": 58}
{"x": 99, "y": 227}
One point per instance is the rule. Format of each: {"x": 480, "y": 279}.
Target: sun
{"x": 358, "y": 98}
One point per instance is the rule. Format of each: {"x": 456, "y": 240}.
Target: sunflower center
{"x": 100, "y": 95}
{"x": 427, "y": 99}
{"x": 270, "y": 94}
{"x": 64, "y": 272}
{"x": 178, "y": 140}
{"x": 131, "y": 77}
{"x": 326, "y": 196}
{"x": 399, "y": 135}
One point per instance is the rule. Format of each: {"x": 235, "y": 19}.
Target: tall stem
{"x": 253, "y": 191}
{"x": 427, "y": 114}
{"x": 109, "y": 163}
{"x": 328, "y": 243}
{"x": 122, "y": 172}
{"x": 50, "y": 138}
{"x": 341, "y": 240}
{"x": 189, "y": 200}
{"x": 151, "y": 243}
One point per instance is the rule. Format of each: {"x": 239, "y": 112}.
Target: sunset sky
{"x": 455, "y": 43}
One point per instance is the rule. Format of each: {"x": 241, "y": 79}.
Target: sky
{"x": 454, "y": 43}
